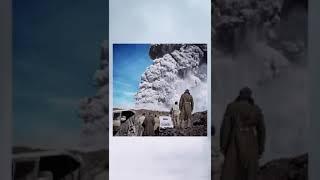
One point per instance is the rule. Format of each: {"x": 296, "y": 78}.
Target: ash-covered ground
{"x": 286, "y": 168}
{"x": 199, "y": 128}
{"x": 199, "y": 122}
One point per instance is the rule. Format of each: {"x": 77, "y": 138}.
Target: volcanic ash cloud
{"x": 169, "y": 76}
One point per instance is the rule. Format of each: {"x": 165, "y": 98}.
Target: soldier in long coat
{"x": 186, "y": 107}
{"x": 148, "y": 125}
{"x": 242, "y": 138}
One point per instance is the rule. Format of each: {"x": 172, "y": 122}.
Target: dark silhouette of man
{"x": 148, "y": 125}
{"x": 242, "y": 138}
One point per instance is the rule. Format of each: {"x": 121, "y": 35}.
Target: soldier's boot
{"x": 176, "y": 122}
{"x": 189, "y": 123}
{"x": 183, "y": 124}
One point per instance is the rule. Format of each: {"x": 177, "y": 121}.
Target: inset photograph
{"x": 160, "y": 90}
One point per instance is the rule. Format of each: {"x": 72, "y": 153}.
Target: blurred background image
{"x": 60, "y": 109}
{"x": 263, "y": 45}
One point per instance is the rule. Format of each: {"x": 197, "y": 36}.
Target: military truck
{"x": 120, "y": 117}
{"x": 46, "y": 165}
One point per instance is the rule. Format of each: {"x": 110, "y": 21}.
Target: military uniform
{"x": 186, "y": 108}
{"x": 141, "y": 119}
{"x": 175, "y": 112}
{"x": 156, "y": 126}
{"x": 242, "y": 139}
{"x": 148, "y": 125}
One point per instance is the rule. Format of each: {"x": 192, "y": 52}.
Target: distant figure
{"x": 242, "y": 138}
{"x": 141, "y": 118}
{"x": 175, "y": 113}
{"x": 156, "y": 125}
{"x": 186, "y": 108}
{"x": 148, "y": 125}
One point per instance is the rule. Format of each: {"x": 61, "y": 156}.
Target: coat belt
{"x": 246, "y": 128}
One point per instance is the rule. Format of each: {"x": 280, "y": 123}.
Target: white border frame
{"x": 125, "y": 20}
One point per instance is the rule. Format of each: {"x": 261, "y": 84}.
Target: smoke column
{"x": 94, "y": 111}
{"x": 170, "y": 75}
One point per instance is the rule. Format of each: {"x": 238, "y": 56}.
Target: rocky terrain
{"x": 199, "y": 121}
{"x": 295, "y": 168}
{"x": 291, "y": 168}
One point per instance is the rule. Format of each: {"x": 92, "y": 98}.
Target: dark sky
{"x": 55, "y": 53}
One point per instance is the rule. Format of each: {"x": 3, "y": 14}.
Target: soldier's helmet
{"x": 187, "y": 90}
{"x": 245, "y": 92}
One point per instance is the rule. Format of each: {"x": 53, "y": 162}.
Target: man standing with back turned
{"x": 242, "y": 138}
{"x": 186, "y": 108}
{"x": 148, "y": 125}
{"x": 175, "y": 112}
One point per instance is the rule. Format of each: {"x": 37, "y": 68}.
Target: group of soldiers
{"x": 180, "y": 113}
{"x": 150, "y": 123}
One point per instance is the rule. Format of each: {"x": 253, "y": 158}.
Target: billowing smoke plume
{"x": 170, "y": 75}
{"x": 94, "y": 110}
